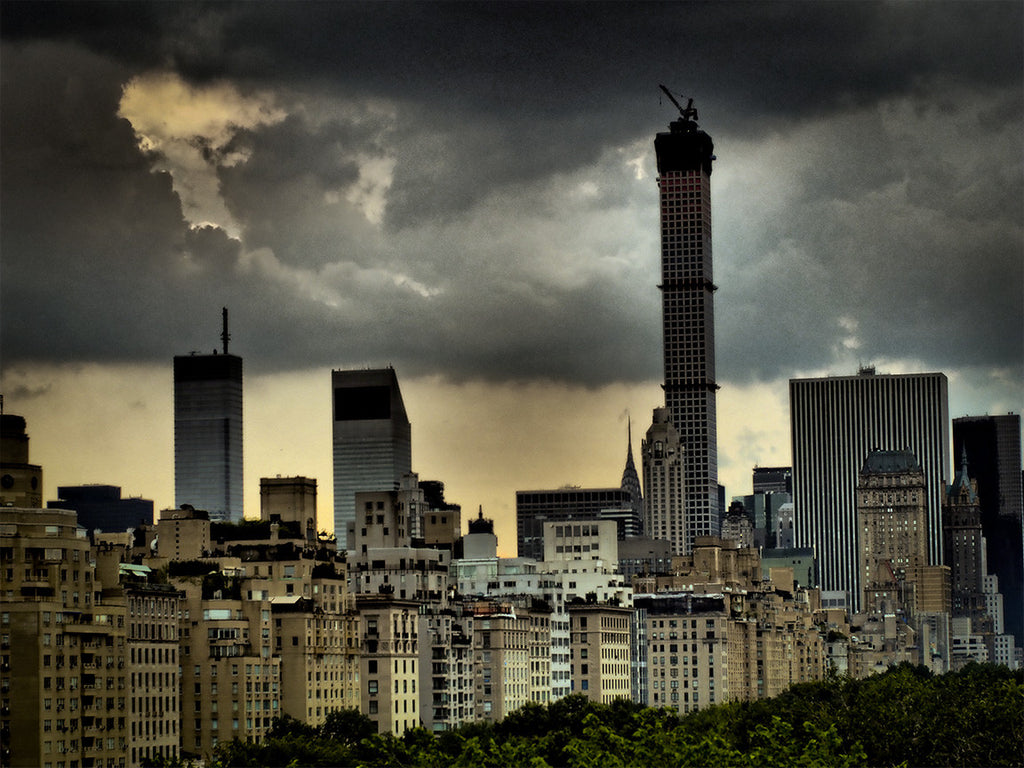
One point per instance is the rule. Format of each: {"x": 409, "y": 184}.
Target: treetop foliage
{"x": 904, "y": 717}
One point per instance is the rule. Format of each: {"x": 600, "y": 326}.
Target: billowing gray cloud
{"x": 469, "y": 188}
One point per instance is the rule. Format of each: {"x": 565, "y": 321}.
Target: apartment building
{"x": 64, "y": 661}
{"x": 501, "y": 650}
{"x": 687, "y": 640}
{"x": 446, "y": 668}
{"x": 152, "y": 665}
{"x": 389, "y": 664}
{"x": 600, "y": 651}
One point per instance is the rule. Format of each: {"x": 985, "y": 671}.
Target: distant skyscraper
{"x": 688, "y": 318}
{"x": 773, "y": 480}
{"x": 372, "y": 439}
{"x": 534, "y": 508}
{"x": 631, "y": 480}
{"x": 993, "y": 446}
{"x": 663, "y": 457}
{"x": 208, "y": 432}
{"x": 835, "y": 422}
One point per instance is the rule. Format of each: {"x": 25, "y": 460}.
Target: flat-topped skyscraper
{"x": 372, "y": 439}
{"x": 208, "y": 432}
{"x": 684, "y": 157}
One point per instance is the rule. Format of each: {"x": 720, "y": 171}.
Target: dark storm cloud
{"x": 514, "y": 243}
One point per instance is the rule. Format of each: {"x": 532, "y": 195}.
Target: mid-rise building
{"x": 447, "y": 679}
{"x": 208, "y": 432}
{"x": 389, "y": 662}
{"x": 290, "y": 500}
{"x": 601, "y": 651}
{"x": 441, "y": 520}
{"x": 835, "y": 422}
{"x": 73, "y": 650}
{"x": 687, "y": 637}
{"x": 372, "y": 440}
{"x": 684, "y": 157}
{"x": 502, "y": 654}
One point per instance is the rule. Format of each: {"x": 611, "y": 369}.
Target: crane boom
{"x": 687, "y": 113}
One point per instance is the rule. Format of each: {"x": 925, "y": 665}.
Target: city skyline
{"x": 484, "y": 218}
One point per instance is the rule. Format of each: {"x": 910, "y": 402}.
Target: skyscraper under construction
{"x": 684, "y": 157}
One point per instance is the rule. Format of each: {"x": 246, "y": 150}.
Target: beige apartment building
{"x": 601, "y": 659}
{"x": 501, "y": 648}
{"x": 269, "y": 628}
{"x": 64, "y": 663}
{"x": 687, "y": 641}
{"x": 153, "y": 676}
{"x": 389, "y": 663}
{"x": 318, "y": 642}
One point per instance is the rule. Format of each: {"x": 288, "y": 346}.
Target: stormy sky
{"x": 467, "y": 192}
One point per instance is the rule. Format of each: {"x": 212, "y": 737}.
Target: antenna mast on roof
{"x": 224, "y": 335}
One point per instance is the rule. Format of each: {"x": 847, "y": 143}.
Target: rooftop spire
{"x": 962, "y": 482}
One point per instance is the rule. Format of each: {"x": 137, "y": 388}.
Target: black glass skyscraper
{"x": 993, "y": 448}
{"x": 372, "y": 440}
{"x": 208, "y": 432}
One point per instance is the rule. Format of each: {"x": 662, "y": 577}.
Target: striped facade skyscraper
{"x": 835, "y": 423}
{"x": 684, "y": 157}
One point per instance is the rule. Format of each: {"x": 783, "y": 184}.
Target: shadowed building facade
{"x": 684, "y": 156}
{"x": 993, "y": 445}
{"x": 372, "y": 440}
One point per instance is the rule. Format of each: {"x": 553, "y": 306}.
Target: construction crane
{"x": 687, "y": 113}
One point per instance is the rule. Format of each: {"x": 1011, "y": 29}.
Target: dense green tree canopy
{"x": 905, "y": 717}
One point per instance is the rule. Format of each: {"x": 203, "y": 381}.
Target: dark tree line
{"x": 904, "y": 717}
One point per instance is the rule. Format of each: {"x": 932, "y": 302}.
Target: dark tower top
{"x": 686, "y": 147}
{"x": 481, "y": 524}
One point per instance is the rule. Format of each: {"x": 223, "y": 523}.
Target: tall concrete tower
{"x": 688, "y": 314}
{"x": 372, "y": 440}
{"x": 208, "y": 432}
